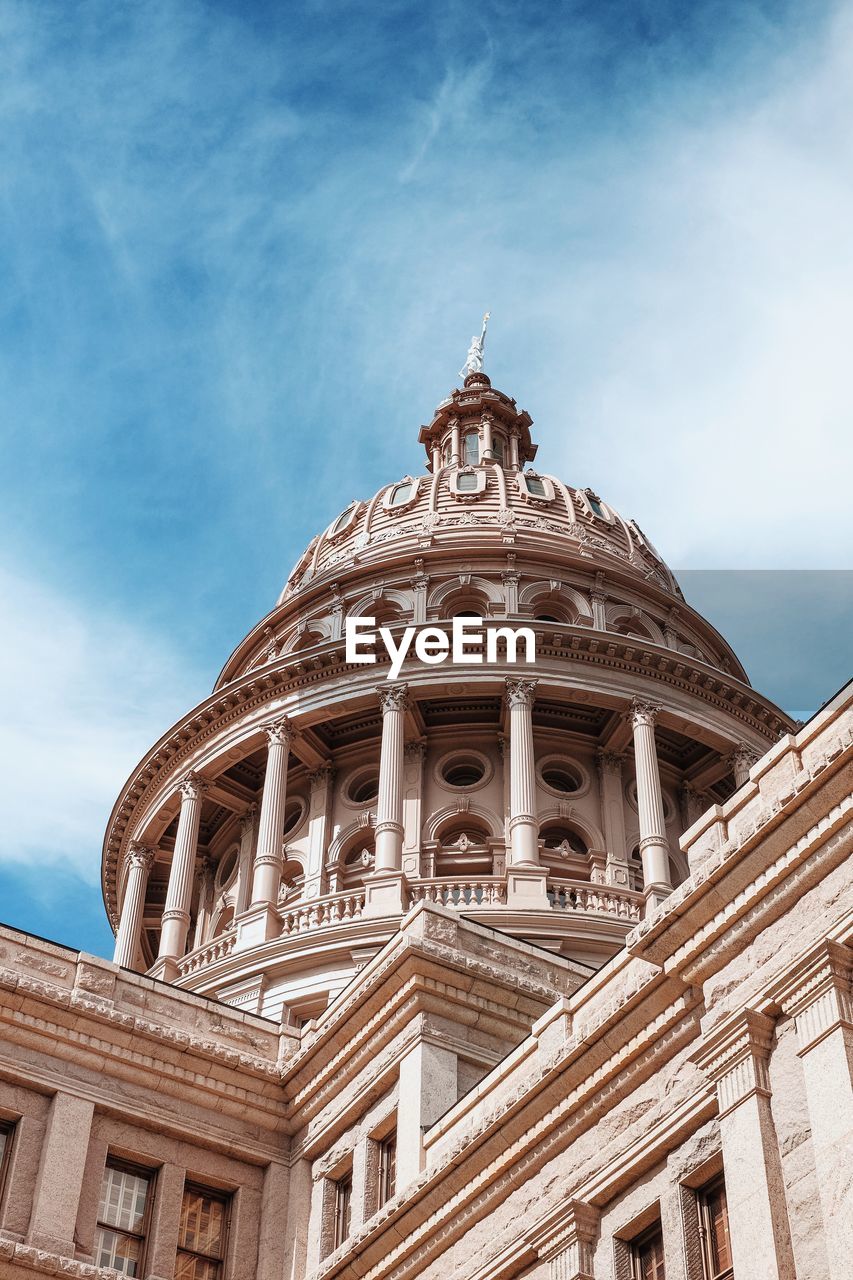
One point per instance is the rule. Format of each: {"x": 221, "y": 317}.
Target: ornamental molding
{"x": 393, "y": 697}
{"x": 520, "y": 692}
{"x": 735, "y": 1058}
{"x": 643, "y": 712}
{"x": 816, "y": 992}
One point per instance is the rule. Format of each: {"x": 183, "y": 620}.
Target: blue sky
{"x": 243, "y": 249}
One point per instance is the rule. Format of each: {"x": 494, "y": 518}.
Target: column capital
{"x": 321, "y": 776}
{"x": 279, "y": 731}
{"x": 735, "y": 1057}
{"x": 393, "y": 697}
{"x": 565, "y": 1240}
{"x": 742, "y": 758}
{"x": 192, "y": 786}
{"x": 609, "y": 761}
{"x": 139, "y": 855}
{"x": 816, "y": 992}
{"x": 247, "y": 819}
{"x": 415, "y": 751}
{"x": 643, "y": 712}
{"x": 520, "y": 692}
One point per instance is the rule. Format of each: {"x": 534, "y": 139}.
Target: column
{"x": 138, "y": 862}
{"x": 613, "y": 817}
{"x": 487, "y": 452}
{"x": 735, "y": 1058}
{"x": 60, "y": 1176}
{"x": 435, "y": 454}
{"x": 415, "y": 754}
{"x": 513, "y": 462}
{"x": 176, "y": 917}
{"x": 566, "y": 1241}
{"x": 817, "y": 995}
{"x": 526, "y": 879}
{"x": 692, "y": 804}
{"x": 267, "y": 877}
{"x": 654, "y": 846}
{"x": 420, "y": 586}
{"x": 741, "y": 760}
{"x": 246, "y": 859}
{"x": 384, "y": 886}
{"x": 319, "y": 818}
{"x": 455, "y": 444}
{"x": 598, "y": 600}
{"x": 204, "y": 911}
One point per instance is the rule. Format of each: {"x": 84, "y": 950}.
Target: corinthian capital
{"x": 743, "y": 758}
{"x": 393, "y": 697}
{"x": 643, "y": 711}
{"x": 610, "y": 761}
{"x": 138, "y": 855}
{"x": 520, "y": 692}
{"x": 279, "y": 731}
{"x": 192, "y": 786}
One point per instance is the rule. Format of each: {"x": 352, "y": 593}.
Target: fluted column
{"x": 267, "y": 873}
{"x": 138, "y": 861}
{"x": 245, "y": 869}
{"x": 610, "y": 765}
{"x": 523, "y": 825}
{"x": 389, "y": 804}
{"x": 176, "y": 917}
{"x": 654, "y": 846}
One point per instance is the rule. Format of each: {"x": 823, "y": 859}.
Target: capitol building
{"x": 488, "y": 970}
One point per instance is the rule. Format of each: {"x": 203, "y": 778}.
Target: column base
{"x": 655, "y": 894}
{"x": 386, "y": 894}
{"x": 526, "y": 888}
{"x": 165, "y": 968}
{"x": 258, "y": 924}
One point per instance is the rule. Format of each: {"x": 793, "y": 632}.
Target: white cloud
{"x": 85, "y": 694}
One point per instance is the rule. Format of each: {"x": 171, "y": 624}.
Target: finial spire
{"x": 474, "y": 359}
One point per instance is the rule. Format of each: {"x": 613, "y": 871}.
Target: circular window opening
{"x": 292, "y": 815}
{"x": 227, "y": 867}
{"x": 364, "y": 790}
{"x": 463, "y": 773}
{"x": 560, "y": 779}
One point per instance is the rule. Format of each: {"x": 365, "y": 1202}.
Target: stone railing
{"x": 317, "y": 913}
{"x": 598, "y": 899}
{"x": 487, "y": 891}
{"x": 218, "y": 949}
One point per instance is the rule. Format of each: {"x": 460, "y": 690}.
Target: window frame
{"x": 223, "y": 1197}
{"x": 706, "y": 1236}
{"x": 139, "y": 1171}
{"x": 7, "y": 1131}
{"x": 523, "y": 479}
{"x": 470, "y": 434}
{"x": 468, "y": 495}
{"x": 341, "y": 1231}
{"x": 386, "y": 1173}
{"x": 653, "y": 1232}
{"x": 388, "y": 502}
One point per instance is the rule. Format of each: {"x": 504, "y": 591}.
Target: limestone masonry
{"x": 487, "y": 970}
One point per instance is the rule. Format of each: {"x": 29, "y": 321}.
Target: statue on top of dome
{"x": 474, "y": 359}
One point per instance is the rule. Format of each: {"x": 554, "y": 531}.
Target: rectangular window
{"x": 536, "y": 486}
{"x": 201, "y": 1240}
{"x": 343, "y": 1208}
{"x": 647, "y": 1255}
{"x": 471, "y": 448}
{"x": 714, "y": 1230}
{"x": 387, "y": 1168}
{"x": 6, "y": 1131}
{"x": 122, "y": 1218}
{"x": 466, "y": 482}
{"x": 498, "y": 449}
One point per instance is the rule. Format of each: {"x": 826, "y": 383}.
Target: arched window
{"x": 471, "y": 448}
{"x": 498, "y": 448}
{"x": 400, "y": 494}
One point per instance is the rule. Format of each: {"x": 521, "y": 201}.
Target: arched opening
{"x": 636, "y": 880}
{"x": 292, "y": 881}
{"x": 307, "y": 640}
{"x": 224, "y": 922}
{"x": 358, "y": 860}
{"x": 464, "y": 849}
{"x": 564, "y": 850}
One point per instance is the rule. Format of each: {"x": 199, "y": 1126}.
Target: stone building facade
{"x": 486, "y": 971}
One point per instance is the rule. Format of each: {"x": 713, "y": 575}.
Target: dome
{"x": 270, "y": 842}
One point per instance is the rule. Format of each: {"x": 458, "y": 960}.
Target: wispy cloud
{"x": 85, "y": 693}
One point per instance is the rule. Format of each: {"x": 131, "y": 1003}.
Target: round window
{"x": 560, "y": 778}
{"x": 463, "y": 771}
{"x": 364, "y": 790}
{"x": 293, "y": 811}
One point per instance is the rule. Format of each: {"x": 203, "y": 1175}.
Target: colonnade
{"x": 385, "y": 886}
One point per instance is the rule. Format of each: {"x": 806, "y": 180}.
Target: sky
{"x": 243, "y": 250}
